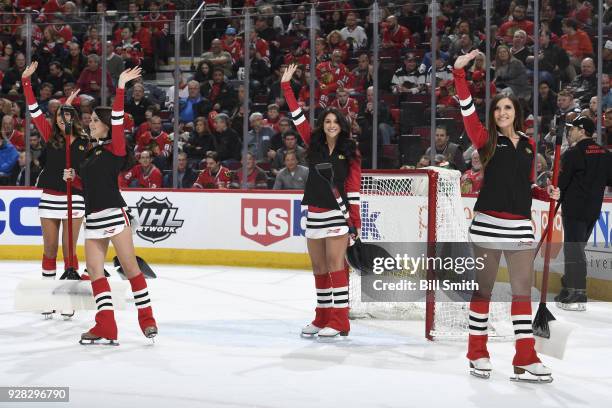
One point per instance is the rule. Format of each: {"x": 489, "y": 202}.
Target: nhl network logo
{"x": 156, "y": 219}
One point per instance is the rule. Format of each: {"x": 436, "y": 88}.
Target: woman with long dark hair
{"x": 327, "y": 232}
{"x": 53, "y": 207}
{"x": 108, "y": 218}
{"x": 502, "y": 224}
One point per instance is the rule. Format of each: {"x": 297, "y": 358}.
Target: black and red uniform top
{"x": 509, "y": 177}
{"x": 100, "y": 169}
{"x": 347, "y": 173}
{"x": 51, "y": 178}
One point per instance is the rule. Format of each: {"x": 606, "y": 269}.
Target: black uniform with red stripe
{"x": 347, "y": 173}
{"x": 100, "y": 170}
{"x": 50, "y": 178}
{"x": 508, "y": 182}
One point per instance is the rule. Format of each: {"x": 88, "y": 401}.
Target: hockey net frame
{"x": 444, "y": 320}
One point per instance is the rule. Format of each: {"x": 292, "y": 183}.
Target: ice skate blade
{"x": 479, "y": 373}
{"x": 544, "y": 379}
{"x": 572, "y": 307}
{"x": 96, "y": 342}
{"x": 522, "y": 375}
{"x": 68, "y": 316}
{"x": 332, "y": 336}
{"x": 485, "y": 375}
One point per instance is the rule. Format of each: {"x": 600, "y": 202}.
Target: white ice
{"x": 229, "y": 338}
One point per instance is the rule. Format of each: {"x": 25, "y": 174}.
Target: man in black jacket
{"x": 553, "y": 61}
{"x": 586, "y": 170}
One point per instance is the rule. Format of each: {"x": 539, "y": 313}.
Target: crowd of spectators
{"x": 66, "y": 39}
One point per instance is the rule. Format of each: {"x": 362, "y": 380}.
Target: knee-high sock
{"x": 478, "y": 327}
{"x": 323, "y": 285}
{"x": 49, "y": 266}
{"x": 105, "y": 317}
{"x": 339, "y": 313}
{"x": 143, "y": 302}
{"x": 523, "y": 331}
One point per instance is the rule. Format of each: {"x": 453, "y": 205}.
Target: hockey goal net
{"x": 397, "y": 208}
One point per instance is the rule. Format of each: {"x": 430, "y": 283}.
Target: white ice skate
{"x": 481, "y": 368}
{"x": 532, "y": 373}
{"x": 310, "y": 330}
{"x": 329, "y": 332}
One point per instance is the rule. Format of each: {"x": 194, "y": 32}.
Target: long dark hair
{"x": 104, "y": 114}
{"x": 487, "y": 151}
{"x": 57, "y": 138}
{"x": 345, "y": 144}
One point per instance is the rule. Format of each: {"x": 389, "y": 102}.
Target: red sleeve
{"x": 44, "y": 128}
{"x": 155, "y": 179}
{"x": 77, "y": 183}
{"x": 117, "y": 147}
{"x": 352, "y": 187}
{"x": 477, "y": 133}
{"x": 299, "y": 119}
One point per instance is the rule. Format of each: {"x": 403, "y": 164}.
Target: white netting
{"x": 395, "y": 210}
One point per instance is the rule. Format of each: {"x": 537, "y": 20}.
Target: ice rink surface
{"x": 229, "y": 337}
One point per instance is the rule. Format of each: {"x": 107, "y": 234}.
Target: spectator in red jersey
{"x": 159, "y": 25}
{"x": 9, "y": 133}
{"x": 143, "y": 35}
{"x": 214, "y": 175}
{"x": 90, "y": 81}
{"x": 273, "y": 117}
{"x": 232, "y": 44}
{"x": 331, "y": 75}
{"x": 395, "y": 35}
{"x": 519, "y": 22}
{"x": 157, "y": 141}
{"x": 361, "y": 75}
{"x": 256, "y": 177}
{"x": 68, "y": 88}
{"x": 575, "y": 42}
{"x": 471, "y": 180}
{"x": 345, "y": 104}
{"x": 478, "y": 90}
{"x": 145, "y": 174}
{"x": 93, "y": 45}
{"x": 131, "y": 50}
{"x": 336, "y": 42}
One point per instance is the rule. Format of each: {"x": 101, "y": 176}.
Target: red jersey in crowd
{"x": 399, "y": 37}
{"x": 160, "y": 145}
{"x": 219, "y": 179}
{"x": 149, "y": 178}
{"x": 349, "y": 109}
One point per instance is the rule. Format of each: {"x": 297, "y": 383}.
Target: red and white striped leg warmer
{"x": 323, "y": 285}
{"x": 339, "y": 313}
{"x": 478, "y": 327}
{"x": 523, "y": 331}
{"x": 106, "y": 326}
{"x": 143, "y": 302}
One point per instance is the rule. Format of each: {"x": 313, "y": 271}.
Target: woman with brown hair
{"x": 53, "y": 207}
{"x": 327, "y": 232}
{"x": 502, "y": 224}
{"x": 108, "y": 218}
